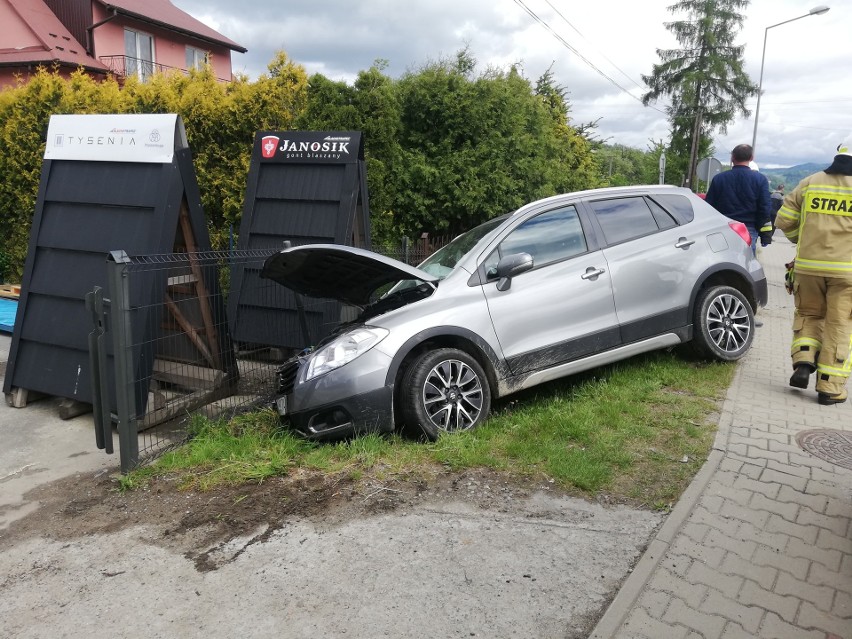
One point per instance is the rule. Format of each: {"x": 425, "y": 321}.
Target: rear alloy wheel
{"x": 445, "y": 391}
{"x": 724, "y": 324}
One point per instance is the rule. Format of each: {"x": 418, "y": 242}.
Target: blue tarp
{"x": 8, "y": 308}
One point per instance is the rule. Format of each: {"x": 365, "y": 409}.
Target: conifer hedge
{"x": 446, "y": 147}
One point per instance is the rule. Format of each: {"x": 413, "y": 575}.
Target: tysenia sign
{"x": 115, "y": 138}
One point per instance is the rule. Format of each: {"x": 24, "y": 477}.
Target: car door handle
{"x": 592, "y": 272}
{"x": 684, "y": 243}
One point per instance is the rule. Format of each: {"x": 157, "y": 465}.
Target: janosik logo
{"x": 268, "y": 145}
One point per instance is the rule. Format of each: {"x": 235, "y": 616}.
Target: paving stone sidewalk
{"x": 760, "y": 544}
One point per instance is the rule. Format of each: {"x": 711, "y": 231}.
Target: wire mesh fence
{"x": 413, "y": 252}
{"x": 173, "y": 352}
{"x": 199, "y": 334}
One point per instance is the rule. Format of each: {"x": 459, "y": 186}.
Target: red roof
{"x": 164, "y": 14}
{"x": 42, "y": 38}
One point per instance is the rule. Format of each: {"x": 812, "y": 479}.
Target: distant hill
{"x": 791, "y": 176}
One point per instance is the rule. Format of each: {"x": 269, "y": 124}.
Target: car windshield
{"x": 444, "y": 260}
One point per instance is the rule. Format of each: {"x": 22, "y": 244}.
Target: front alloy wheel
{"x": 445, "y": 391}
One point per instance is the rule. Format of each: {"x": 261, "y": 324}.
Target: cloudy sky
{"x": 598, "y": 51}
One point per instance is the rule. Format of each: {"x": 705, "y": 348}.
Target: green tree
{"x": 25, "y": 112}
{"x": 371, "y": 106}
{"x": 475, "y": 146}
{"x": 704, "y": 79}
{"x": 673, "y": 174}
{"x": 622, "y": 165}
{"x": 627, "y": 166}
{"x": 377, "y": 99}
{"x": 330, "y": 106}
{"x": 576, "y": 165}
{"x": 679, "y": 150}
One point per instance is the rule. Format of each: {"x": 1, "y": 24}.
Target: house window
{"x": 195, "y": 58}
{"x": 139, "y": 54}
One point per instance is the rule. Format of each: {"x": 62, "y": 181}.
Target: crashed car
{"x": 559, "y": 286}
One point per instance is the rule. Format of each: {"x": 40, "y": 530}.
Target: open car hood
{"x": 337, "y": 272}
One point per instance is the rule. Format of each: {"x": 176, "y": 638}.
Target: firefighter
{"x": 817, "y": 217}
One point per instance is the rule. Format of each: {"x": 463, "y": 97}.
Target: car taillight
{"x": 741, "y": 230}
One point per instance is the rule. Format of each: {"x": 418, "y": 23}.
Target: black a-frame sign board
{"x": 108, "y": 183}
{"x": 304, "y": 187}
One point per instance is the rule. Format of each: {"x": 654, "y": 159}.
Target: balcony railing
{"x": 124, "y": 66}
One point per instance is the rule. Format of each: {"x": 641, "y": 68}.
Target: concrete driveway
{"x": 532, "y": 564}
{"x": 38, "y": 448}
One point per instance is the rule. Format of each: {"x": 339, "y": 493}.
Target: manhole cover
{"x": 833, "y": 446}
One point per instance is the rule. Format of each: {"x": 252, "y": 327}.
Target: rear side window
{"x": 677, "y": 205}
{"x": 624, "y": 218}
{"x": 664, "y": 220}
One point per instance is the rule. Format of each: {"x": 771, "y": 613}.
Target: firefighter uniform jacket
{"x": 817, "y": 216}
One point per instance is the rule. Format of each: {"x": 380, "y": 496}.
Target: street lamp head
{"x": 818, "y": 11}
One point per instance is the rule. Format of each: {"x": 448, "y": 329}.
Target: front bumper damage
{"x": 351, "y": 400}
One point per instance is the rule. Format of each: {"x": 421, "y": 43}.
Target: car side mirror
{"x": 510, "y": 266}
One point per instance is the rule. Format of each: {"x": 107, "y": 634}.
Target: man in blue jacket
{"x": 742, "y": 194}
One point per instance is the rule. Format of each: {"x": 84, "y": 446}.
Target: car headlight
{"x": 344, "y": 349}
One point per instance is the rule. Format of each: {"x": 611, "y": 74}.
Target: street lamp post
{"x": 816, "y": 11}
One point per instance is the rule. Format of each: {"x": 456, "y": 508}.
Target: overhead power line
{"x": 568, "y": 46}
{"x": 568, "y": 22}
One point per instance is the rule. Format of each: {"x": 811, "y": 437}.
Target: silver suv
{"x": 559, "y": 286}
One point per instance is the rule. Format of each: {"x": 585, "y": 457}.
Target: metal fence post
{"x": 95, "y": 304}
{"x": 121, "y": 327}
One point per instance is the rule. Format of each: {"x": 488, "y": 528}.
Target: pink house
{"x": 123, "y": 37}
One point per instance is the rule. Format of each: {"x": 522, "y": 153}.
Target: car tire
{"x": 445, "y": 390}
{"x": 723, "y": 324}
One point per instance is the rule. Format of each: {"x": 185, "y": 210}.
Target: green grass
{"x": 638, "y": 430}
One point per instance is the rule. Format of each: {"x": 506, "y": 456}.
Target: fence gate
{"x": 190, "y": 372}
